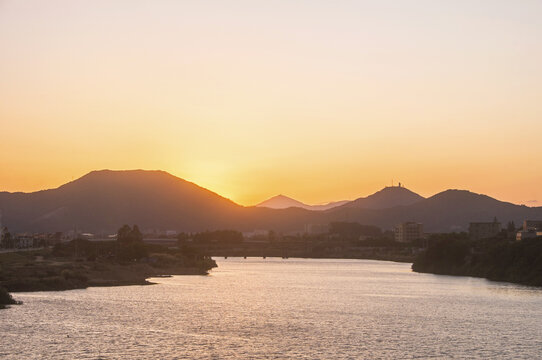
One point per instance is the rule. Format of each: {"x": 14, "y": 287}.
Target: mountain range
{"x": 102, "y": 201}
{"x": 285, "y": 202}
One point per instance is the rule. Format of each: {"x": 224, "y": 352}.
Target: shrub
{"x": 6, "y": 298}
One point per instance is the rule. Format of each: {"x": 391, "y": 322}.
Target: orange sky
{"x": 317, "y": 100}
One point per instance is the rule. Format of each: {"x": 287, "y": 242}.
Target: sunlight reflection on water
{"x": 275, "y": 309}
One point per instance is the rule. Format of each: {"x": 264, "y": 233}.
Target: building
{"x": 529, "y": 234}
{"x": 24, "y": 241}
{"x": 3, "y": 231}
{"x": 531, "y": 229}
{"x": 484, "y": 230}
{"x": 532, "y": 225}
{"x": 408, "y": 232}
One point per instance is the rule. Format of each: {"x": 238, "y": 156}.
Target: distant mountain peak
{"x": 103, "y": 200}
{"x": 133, "y": 172}
{"x": 280, "y": 196}
{"x": 283, "y": 202}
{"x": 388, "y": 197}
{"x": 465, "y": 197}
{"x": 395, "y": 188}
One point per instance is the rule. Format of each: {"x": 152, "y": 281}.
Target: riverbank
{"x": 497, "y": 259}
{"x": 43, "y": 270}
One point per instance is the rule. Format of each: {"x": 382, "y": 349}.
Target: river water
{"x": 277, "y": 309}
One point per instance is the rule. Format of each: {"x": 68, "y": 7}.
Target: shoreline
{"x": 494, "y": 259}
{"x": 115, "y": 275}
{"x": 397, "y": 261}
{"x": 476, "y": 276}
{"x": 73, "y": 274}
{"x": 140, "y": 273}
{"x": 41, "y": 270}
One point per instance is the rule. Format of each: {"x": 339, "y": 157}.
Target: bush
{"x": 6, "y": 298}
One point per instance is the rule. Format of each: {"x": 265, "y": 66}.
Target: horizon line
{"x": 267, "y": 198}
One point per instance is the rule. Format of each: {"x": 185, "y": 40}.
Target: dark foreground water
{"x": 276, "y": 309}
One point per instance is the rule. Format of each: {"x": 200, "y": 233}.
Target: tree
{"x": 8, "y": 241}
{"x": 130, "y": 243}
{"x": 136, "y": 235}
{"x": 126, "y": 234}
{"x": 123, "y": 234}
{"x": 353, "y": 230}
{"x": 5, "y": 238}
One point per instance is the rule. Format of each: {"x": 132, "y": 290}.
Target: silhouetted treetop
{"x": 128, "y": 235}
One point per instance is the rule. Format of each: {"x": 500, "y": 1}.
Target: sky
{"x": 318, "y": 100}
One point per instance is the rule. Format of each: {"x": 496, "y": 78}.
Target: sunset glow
{"x": 318, "y": 100}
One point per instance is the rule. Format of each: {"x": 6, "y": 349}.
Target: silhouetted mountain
{"x": 453, "y": 209}
{"x": 388, "y": 197}
{"x": 450, "y": 210}
{"x": 284, "y": 202}
{"x": 102, "y": 201}
{"x": 281, "y": 202}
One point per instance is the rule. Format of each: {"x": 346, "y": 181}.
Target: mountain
{"x": 281, "y": 202}
{"x": 454, "y": 209}
{"x": 388, "y": 197}
{"x": 102, "y": 201}
{"x": 284, "y": 202}
{"x": 450, "y": 210}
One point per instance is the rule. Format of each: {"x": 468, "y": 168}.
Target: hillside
{"x": 101, "y": 200}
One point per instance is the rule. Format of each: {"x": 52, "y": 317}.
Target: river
{"x": 277, "y": 309}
